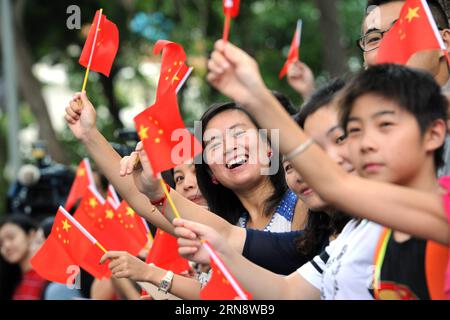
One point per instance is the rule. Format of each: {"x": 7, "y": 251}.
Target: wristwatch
{"x": 166, "y": 282}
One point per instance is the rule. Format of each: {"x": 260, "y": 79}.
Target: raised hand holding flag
{"x": 294, "y": 50}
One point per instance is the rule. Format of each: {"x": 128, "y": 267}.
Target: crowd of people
{"x": 359, "y": 207}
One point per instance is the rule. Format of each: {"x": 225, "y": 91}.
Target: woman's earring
{"x": 214, "y": 180}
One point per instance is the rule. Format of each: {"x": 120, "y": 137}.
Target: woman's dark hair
{"x": 221, "y": 200}
{"x": 11, "y": 274}
{"x": 320, "y": 225}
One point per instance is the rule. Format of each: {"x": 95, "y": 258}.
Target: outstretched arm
{"x": 147, "y": 184}
{"x": 422, "y": 214}
{"x": 247, "y": 273}
{"x": 136, "y": 184}
{"x": 81, "y": 118}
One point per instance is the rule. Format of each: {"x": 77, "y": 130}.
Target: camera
{"x": 41, "y": 186}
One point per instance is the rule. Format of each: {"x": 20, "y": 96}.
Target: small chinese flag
{"x": 83, "y": 180}
{"x": 99, "y": 218}
{"x": 231, "y": 8}
{"x": 174, "y": 71}
{"x": 106, "y": 37}
{"x": 67, "y": 246}
{"x": 166, "y": 140}
{"x": 294, "y": 50}
{"x": 222, "y": 285}
{"x": 164, "y": 253}
{"x": 132, "y": 223}
{"x": 414, "y": 31}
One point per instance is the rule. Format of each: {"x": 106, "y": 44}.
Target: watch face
{"x": 164, "y": 284}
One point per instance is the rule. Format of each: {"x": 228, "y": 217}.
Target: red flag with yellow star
{"x": 164, "y": 253}
{"x": 414, "y": 31}
{"x": 222, "y": 285}
{"x": 101, "y": 55}
{"x": 81, "y": 183}
{"x": 166, "y": 140}
{"x": 99, "y": 217}
{"x": 174, "y": 71}
{"x": 65, "y": 247}
{"x": 294, "y": 50}
{"x": 132, "y": 223}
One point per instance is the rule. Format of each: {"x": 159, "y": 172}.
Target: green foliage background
{"x": 264, "y": 28}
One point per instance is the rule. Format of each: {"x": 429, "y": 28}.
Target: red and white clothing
{"x": 30, "y": 287}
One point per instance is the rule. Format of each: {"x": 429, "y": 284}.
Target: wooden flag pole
{"x": 101, "y": 247}
{"x": 169, "y": 198}
{"x": 86, "y": 75}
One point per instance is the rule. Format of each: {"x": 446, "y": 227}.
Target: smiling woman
{"x": 231, "y": 179}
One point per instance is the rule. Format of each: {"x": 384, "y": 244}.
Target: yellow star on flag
{"x": 130, "y": 212}
{"x": 81, "y": 172}
{"x": 412, "y": 13}
{"x": 175, "y": 78}
{"x": 143, "y": 132}
{"x": 109, "y": 214}
{"x": 66, "y": 225}
{"x": 92, "y": 202}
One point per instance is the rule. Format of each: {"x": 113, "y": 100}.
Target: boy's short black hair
{"x": 320, "y": 98}
{"x": 436, "y": 8}
{"x": 413, "y": 90}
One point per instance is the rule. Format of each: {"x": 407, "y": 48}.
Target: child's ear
{"x": 435, "y": 135}
{"x": 446, "y": 38}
